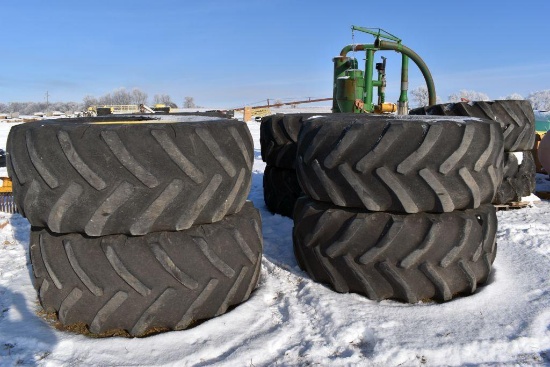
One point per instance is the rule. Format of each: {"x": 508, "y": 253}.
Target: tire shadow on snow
{"x": 22, "y": 234}
{"x": 25, "y": 338}
{"x": 277, "y": 230}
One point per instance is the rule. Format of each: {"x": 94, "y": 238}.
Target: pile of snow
{"x": 293, "y": 321}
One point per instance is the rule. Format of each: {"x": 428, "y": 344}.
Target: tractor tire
{"x": 400, "y": 164}
{"x": 129, "y": 178}
{"x": 405, "y": 257}
{"x": 519, "y": 177}
{"x": 281, "y": 190}
{"x": 516, "y": 119}
{"x": 279, "y": 137}
{"x": 142, "y": 284}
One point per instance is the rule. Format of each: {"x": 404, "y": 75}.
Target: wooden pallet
{"x": 543, "y": 195}
{"x": 7, "y": 203}
{"x": 512, "y": 205}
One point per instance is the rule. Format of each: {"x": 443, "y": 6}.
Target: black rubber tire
{"x": 160, "y": 281}
{"x": 516, "y": 118}
{"x": 162, "y": 109}
{"x": 2, "y": 158}
{"x": 279, "y": 137}
{"x": 129, "y": 178}
{"x": 281, "y": 190}
{"x": 103, "y": 111}
{"x": 519, "y": 178}
{"x": 407, "y": 257}
{"x": 401, "y": 164}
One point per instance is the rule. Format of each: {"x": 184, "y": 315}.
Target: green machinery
{"x": 353, "y": 89}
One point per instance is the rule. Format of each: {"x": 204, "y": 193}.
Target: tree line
{"x": 540, "y": 99}
{"x": 120, "y": 96}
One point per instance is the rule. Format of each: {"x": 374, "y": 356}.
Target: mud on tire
{"x": 516, "y": 118}
{"x": 410, "y": 257}
{"x": 160, "y": 281}
{"x": 132, "y": 178}
{"x": 519, "y": 178}
{"x": 401, "y": 164}
{"x": 281, "y": 190}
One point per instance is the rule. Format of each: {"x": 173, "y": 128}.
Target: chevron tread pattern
{"x": 189, "y": 275}
{"x": 101, "y": 179}
{"x": 279, "y": 138}
{"x": 406, "y": 257}
{"x": 400, "y": 164}
{"x": 516, "y": 118}
{"x": 281, "y": 190}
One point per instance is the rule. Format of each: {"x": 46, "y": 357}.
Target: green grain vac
{"x": 353, "y": 88}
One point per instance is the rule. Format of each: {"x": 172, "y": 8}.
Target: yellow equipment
{"x": 7, "y": 204}
{"x": 160, "y": 107}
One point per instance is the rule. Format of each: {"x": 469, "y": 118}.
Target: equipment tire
{"x": 400, "y": 164}
{"x": 406, "y": 257}
{"x": 279, "y": 136}
{"x": 281, "y": 190}
{"x": 143, "y": 284}
{"x": 519, "y": 178}
{"x": 516, "y": 118}
{"x": 129, "y": 177}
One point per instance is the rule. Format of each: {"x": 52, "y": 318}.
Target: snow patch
{"x": 292, "y": 321}
{"x": 519, "y": 156}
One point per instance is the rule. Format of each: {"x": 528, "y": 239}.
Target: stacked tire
{"x": 398, "y": 207}
{"x": 279, "y": 140}
{"x": 137, "y": 225}
{"x": 517, "y": 121}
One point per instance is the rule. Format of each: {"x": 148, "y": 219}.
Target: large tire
{"x": 281, "y": 190}
{"x": 535, "y": 152}
{"x": 516, "y": 119}
{"x": 130, "y": 178}
{"x": 400, "y": 164}
{"x": 519, "y": 177}
{"x": 160, "y": 281}
{"x": 279, "y": 137}
{"x": 410, "y": 258}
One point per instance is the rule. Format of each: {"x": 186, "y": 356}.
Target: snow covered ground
{"x": 292, "y": 321}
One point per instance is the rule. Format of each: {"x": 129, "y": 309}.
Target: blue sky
{"x": 232, "y": 53}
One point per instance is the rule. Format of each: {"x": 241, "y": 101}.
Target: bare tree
{"x": 89, "y": 101}
{"x": 139, "y": 97}
{"x": 540, "y": 100}
{"x": 514, "y": 96}
{"x": 16, "y": 106}
{"x": 70, "y": 107}
{"x": 467, "y": 96}
{"x": 189, "y": 102}
{"x": 28, "y": 108}
{"x": 105, "y": 99}
{"x": 121, "y": 96}
{"x": 162, "y": 99}
{"x": 420, "y": 96}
